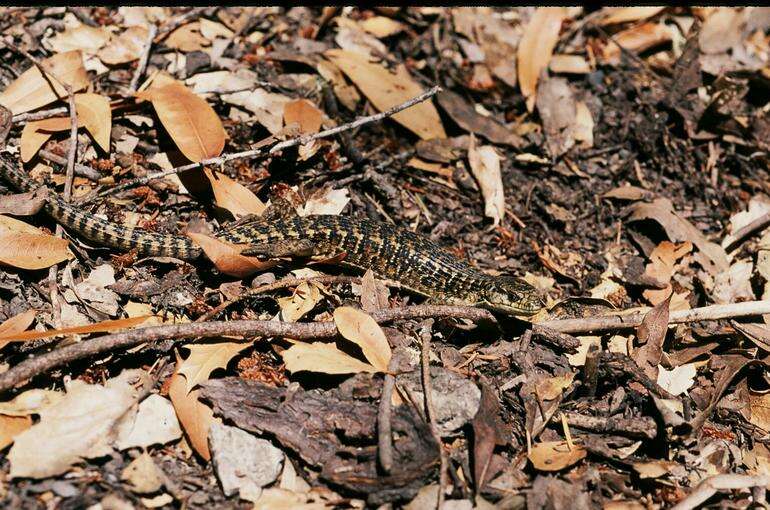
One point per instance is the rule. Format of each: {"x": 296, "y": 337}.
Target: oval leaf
{"x": 190, "y": 121}
{"x": 536, "y": 48}
{"x": 233, "y": 196}
{"x": 26, "y": 247}
{"x": 555, "y": 455}
{"x": 227, "y": 256}
{"x": 322, "y": 357}
{"x": 361, "y": 329}
{"x": 31, "y": 90}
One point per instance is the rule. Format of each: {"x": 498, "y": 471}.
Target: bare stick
{"x": 143, "y": 59}
{"x": 262, "y": 151}
{"x": 81, "y": 170}
{"x": 43, "y": 114}
{"x": 298, "y": 330}
{"x": 384, "y": 424}
{"x": 716, "y": 483}
{"x": 632, "y": 320}
{"x": 430, "y": 412}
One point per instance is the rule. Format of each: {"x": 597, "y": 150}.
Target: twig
{"x": 384, "y": 424}
{"x": 297, "y": 330}
{"x": 642, "y": 427}
{"x": 430, "y": 412}
{"x": 43, "y": 114}
{"x": 260, "y": 151}
{"x": 81, "y": 170}
{"x": 169, "y": 27}
{"x": 716, "y": 483}
{"x": 616, "y": 322}
{"x": 143, "y": 59}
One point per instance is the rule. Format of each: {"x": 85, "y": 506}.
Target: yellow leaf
{"x": 555, "y": 455}
{"x": 31, "y": 90}
{"x": 536, "y": 48}
{"x": 361, "y": 329}
{"x": 194, "y": 416}
{"x": 126, "y": 47}
{"x": 26, "y": 247}
{"x": 485, "y": 167}
{"x": 187, "y": 38}
{"x": 304, "y": 299}
{"x": 190, "y": 121}
{"x": 322, "y": 357}
{"x": 205, "y": 358}
{"x": 12, "y": 426}
{"x": 386, "y": 90}
{"x": 227, "y": 256}
{"x": 16, "y": 324}
{"x": 233, "y": 196}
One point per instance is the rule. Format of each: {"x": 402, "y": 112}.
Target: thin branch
{"x": 632, "y": 320}
{"x": 81, "y": 170}
{"x": 297, "y": 330}
{"x": 263, "y": 151}
{"x": 143, "y": 59}
{"x": 43, "y": 114}
{"x": 745, "y": 231}
{"x": 384, "y": 424}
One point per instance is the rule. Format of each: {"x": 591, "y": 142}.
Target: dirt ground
{"x": 614, "y": 158}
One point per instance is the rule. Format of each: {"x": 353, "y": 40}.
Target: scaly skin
{"x": 393, "y": 253}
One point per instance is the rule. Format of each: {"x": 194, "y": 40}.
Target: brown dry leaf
{"x": 305, "y": 297}
{"x": 710, "y": 255}
{"x": 583, "y": 128}
{"x": 555, "y": 455}
{"x": 381, "y": 26}
{"x": 227, "y": 256}
{"x": 536, "y": 48}
{"x": 26, "y": 247}
{"x": 322, "y": 357}
{"x": 616, "y": 15}
{"x": 325, "y": 201}
{"x": 488, "y": 432}
{"x": 558, "y": 111}
{"x": 569, "y": 64}
{"x": 636, "y": 39}
{"x": 361, "y": 329}
{"x": 759, "y": 410}
{"x": 24, "y": 204}
{"x": 194, "y": 416}
{"x": 386, "y": 90}
{"x": 470, "y": 120}
{"x": 653, "y": 469}
{"x": 99, "y": 327}
{"x": 31, "y": 90}
{"x": 628, "y": 192}
{"x": 552, "y": 387}
{"x": 721, "y": 30}
{"x": 12, "y": 426}
{"x": 233, "y": 196}
{"x": 94, "y": 113}
{"x": 652, "y": 333}
{"x": 79, "y": 426}
{"x": 126, "y": 47}
{"x": 15, "y": 325}
{"x": 485, "y": 167}
{"x": 759, "y": 205}
{"x": 374, "y": 294}
{"x": 304, "y": 113}
{"x": 734, "y": 285}
{"x": 187, "y": 38}
{"x": 190, "y": 121}
{"x": 435, "y": 168}
{"x": 81, "y": 37}
{"x": 662, "y": 266}
{"x": 205, "y": 358}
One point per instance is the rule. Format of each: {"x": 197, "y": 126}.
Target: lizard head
{"x": 512, "y": 296}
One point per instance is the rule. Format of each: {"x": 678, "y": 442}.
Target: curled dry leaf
{"x": 303, "y": 299}
{"x": 78, "y": 426}
{"x": 485, "y": 166}
{"x": 361, "y": 329}
{"x": 31, "y": 90}
{"x": 470, "y": 120}
{"x": 205, "y": 358}
{"x": 26, "y": 247}
{"x": 194, "y": 416}
{"x": 190, "y": 121}
{"x": 322, "y": 357}
{"x": 227, "y": 256}
{"x": 126, "y": 47}
{"x": 558, "y": 111}
{"x": 386, "y": 90}
{"x": 233, "y": 196}
{"x": 536, "y": 48}
{"x": 555, "y": 455}
{"x": 652, "y": 334}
